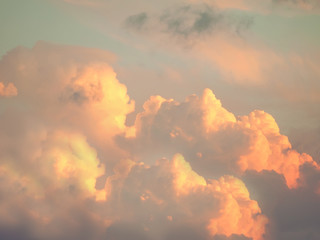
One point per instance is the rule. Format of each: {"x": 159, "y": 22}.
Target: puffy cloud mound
{"x": 269, "y": 150}
{"x": 70, "y": 167}
{"x": 44, "y": 196}
{"x": 170, "y": 193}
{"x": 74, "y": 162}
{"x": 52, "y": 133}
{"x": 65, "y": 87}
{"x": 213, "y": 139}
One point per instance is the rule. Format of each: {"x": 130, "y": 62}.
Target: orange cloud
{"x": 215, "y": 136}
{"x": 68, "y": 138}
{"x": 223, "y": 206}
{"x": 8, "y": 91}
{"x": 238, "y": 214}
{"x": 237, "y": 61}
{"x": 63, "y": 160}
{"x": 185, "y": 179}
{"x": 73, "y": 160}
{"x": 269, "y": 150}
{"x": 215, "y": 116}
{"x": 76, "y": 90}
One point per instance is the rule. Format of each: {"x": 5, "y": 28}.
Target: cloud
{"x": 72, "y": 169}
{"x": 8, "y": 91}
{"x": 77, "y": 88}
{"x": 217, "y": 33}
{"x": 219, "y": 37}
{"x": 137, "y": 21}
{"x": 188, "y": 21}
{"x": 292, "y": 213}
{"x": 170, "y": 192}
{"x": 249, "y": 65}
{"x": 308, "y": 141}
{"x": 54, "y": 135}
{"x": 211, "y": 134}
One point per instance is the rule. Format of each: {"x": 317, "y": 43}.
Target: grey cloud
{"x": 125, "y": 231}
{"x": 16, "y": 233}
{"x": 136, "y": 21}
{"x": 189, "y": 20}
{"x": 186, "y": 233}
{"x": 298, "y": 212}
{"x": 267, "y": 187}
{"x": 293, "y": 213}
{"x": 307, "y": 141}
{"x": 232, "y": 237}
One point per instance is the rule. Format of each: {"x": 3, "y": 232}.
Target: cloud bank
{"x": 71, "y": 168}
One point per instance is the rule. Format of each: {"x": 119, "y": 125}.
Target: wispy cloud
{"x": 188, "y": 21}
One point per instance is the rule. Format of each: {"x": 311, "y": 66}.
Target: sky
{"x": 159, "y": 120}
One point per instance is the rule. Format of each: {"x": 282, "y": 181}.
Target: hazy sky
{"x": 158, "y": 120}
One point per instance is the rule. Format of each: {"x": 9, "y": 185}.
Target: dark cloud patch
{"x": 232, "y": 237}
{"x": 80, "y": 94}
{"x": 298, "y": 214}
{"x": 189, "y": 20}
{"x": 267, "y": 187}
{"x": 137, "y": 21}
{"x": 186, "y": 233}
{"x": 307, "y": 141}
{"x": 125, "y": 231}
{"x": 310, "y": 177}
{"x": 293, "y": 213}
{"x": 16, "y": 233}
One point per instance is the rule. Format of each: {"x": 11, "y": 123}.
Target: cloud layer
{"x": 71, "y": 168}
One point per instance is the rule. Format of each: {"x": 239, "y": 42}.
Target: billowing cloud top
{"x": 71, "y": 168}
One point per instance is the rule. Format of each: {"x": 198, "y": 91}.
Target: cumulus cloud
{"x": 77, "y": 87}
{"x": 44, "y": 194}
{"x": 53, "y": 137}
{"x": 170, "y": 193}
{"x": 212, "y": 134}
{"x": 72, "y": 169}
